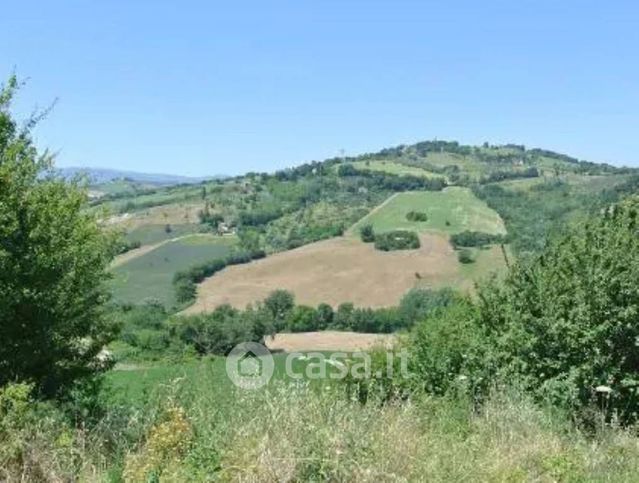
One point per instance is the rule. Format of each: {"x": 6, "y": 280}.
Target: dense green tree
{"x": 279, "y": 304}
{"x": 53, "y": 265}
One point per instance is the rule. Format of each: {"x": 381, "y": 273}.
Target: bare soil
{"x": 334, "y": 271}
{"x": 328, "y": 341}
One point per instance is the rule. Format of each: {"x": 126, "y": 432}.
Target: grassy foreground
{"x": 196, "y": 429}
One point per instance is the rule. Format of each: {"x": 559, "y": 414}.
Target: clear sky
{"x": 207, "y": 87}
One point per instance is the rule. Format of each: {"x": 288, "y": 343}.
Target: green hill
{"x": 526, "y": 193}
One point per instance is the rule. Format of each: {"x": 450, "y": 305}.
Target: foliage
{"x": 561, "y": 325}
{"x": 53, "y": 265}
{"x": 37, "y": 443}
{"x": 465, "y": 256}
{"x": 448, "y": 350}
{"x": 165, "y": 446}
{"x": 386, "y": 181}
{"x": 185, "y": 281}
{"x": 565, "y": 324}
{"x": 500, "y": 175}
{"x": 475, "y": 239}
{"x": 418, "y": 216}
{"x": 367, "y": 234}
{"x": 124, "y": 246}
{"x": 532, "y": 215}
{"x": 397, "y": 240}
{"x": 209, "y": 218}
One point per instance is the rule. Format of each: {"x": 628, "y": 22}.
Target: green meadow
{"x": 452, "y": 210}
{"x": 395, "y": 168}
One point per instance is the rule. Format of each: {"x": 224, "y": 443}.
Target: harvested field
{"x": 328, "y": 341}
{"x": 334, "y": 271}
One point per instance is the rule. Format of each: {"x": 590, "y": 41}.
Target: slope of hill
{"x": 525, "y": 193}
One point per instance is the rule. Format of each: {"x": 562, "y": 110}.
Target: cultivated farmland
{"x": 339, "y": 270}
{"x": 150, "y": 275}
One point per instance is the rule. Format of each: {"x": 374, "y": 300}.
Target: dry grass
{"x": 333, "y": 271}
{"x": 294, "y": 432}
{"x": 300, "y": 436}
{"x": 328, "y": 341}
{"x": 172, "y": 214}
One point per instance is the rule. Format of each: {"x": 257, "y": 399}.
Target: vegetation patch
{"x": 465, "y": 256}
{"x": 337, "y": 271}
{"x": 475, "y": 239}
{"x": 150, "y": 276}
{"x": 417, "y": 216}
{"x": 396, "y": 169}
{"x": 185, "y": 281}
{"x": 452, "y": 210}
{"x": 397, "y": 240}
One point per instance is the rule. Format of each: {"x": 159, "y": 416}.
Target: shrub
{"x": 416, "y": 216}
{"x": 397, "y": 240}
{"x": 449, "y": 350}
{"x": 37, "y": 444}
{"x": 124, "y": 246}
{"x": 562, "y": 326}
{"x": 475, "y": 239}
{"x": 185, "y": 282}
{"x": 566, "y": 323}
{"x": 465, "y": 256}
{"x": 367, "y": 234}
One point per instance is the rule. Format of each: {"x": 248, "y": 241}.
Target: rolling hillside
{"x": 509, "y": 190}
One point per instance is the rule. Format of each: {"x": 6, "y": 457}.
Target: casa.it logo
{"x": 250, "y": 365}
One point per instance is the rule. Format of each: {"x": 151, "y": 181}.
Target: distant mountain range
{"x": 103, "y": 175}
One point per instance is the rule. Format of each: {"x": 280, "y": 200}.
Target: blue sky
{"x": 225, "y": 87}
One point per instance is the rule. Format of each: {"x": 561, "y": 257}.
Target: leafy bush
{"x": 562, "y": 326}
{"x": 37, "y": 444}
{"x": 397, "y": 240}
{"x": 185, "y": 281}
{"x": 566, "y": 323}
{"x": 475, "y": 239}
{"x": 124, "y": 246}
{"x": 221, "y": 330}
{"x": 465, "y": 256}
{"x": 416, "y": 216}
{"x": 367, "y": 234}
{"x": 449, "y": 350}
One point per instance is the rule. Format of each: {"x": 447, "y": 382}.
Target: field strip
{"x": 329, "y": 340}
{"x": 144, "y": 249}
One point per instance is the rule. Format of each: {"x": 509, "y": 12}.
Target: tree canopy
{"x": 53, "y": 262}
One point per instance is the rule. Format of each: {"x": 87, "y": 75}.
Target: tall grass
{"x": 300, "y": 433}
